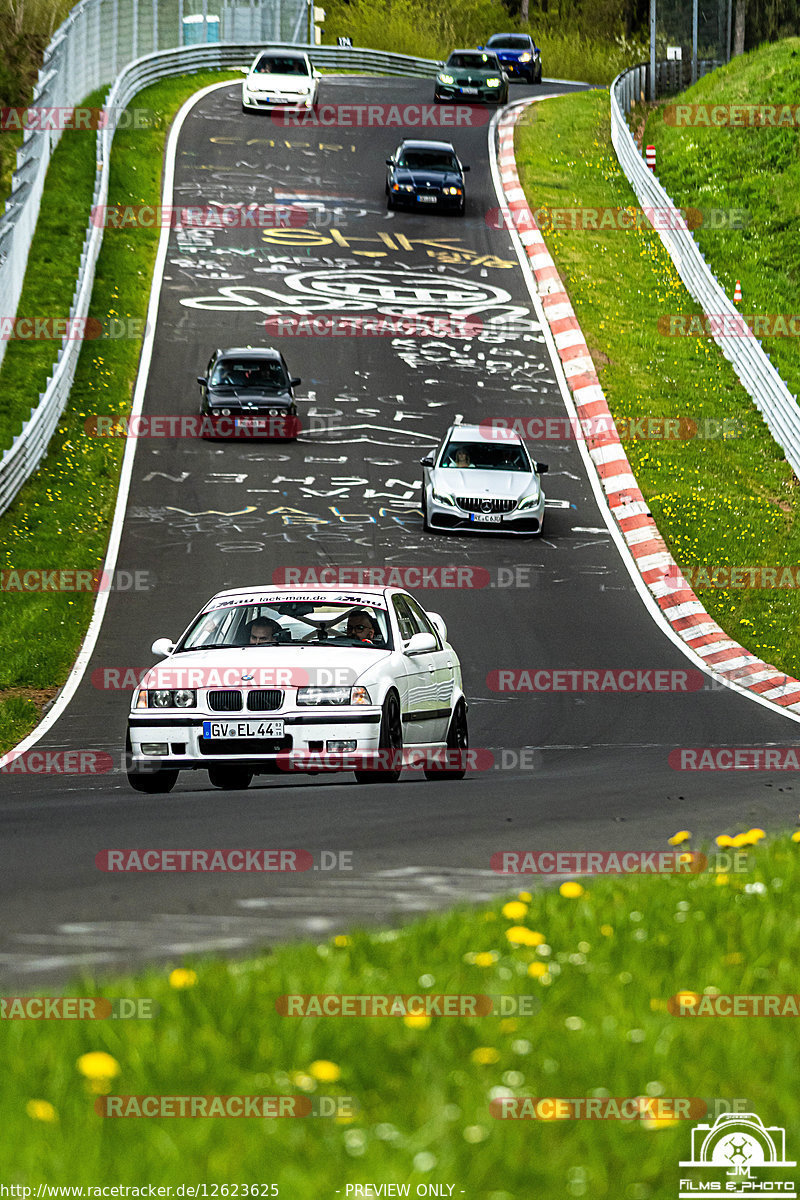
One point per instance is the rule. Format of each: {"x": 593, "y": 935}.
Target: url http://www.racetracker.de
{"x": 44, "y": 1191}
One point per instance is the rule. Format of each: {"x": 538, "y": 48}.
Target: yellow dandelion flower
{"x": 520, "y": 935}
{"x": 508, "y": 1025}
{"x": 525, "y": 896}
{"x": 417, "y": 1020}
{"x": 678, "y": 838}
{"x": 98, "y": 1065}
{"x": 607, "y": 930}
{"x": 342, "y": 939}
{"x": 99, "y": 1069}
{"x": 722, "y": 879}
{"x": 571, "y": 890}
{"x": 484, "y": 1056}
{"x": 515, "y": 910}
{"x": 324, "y": 1070}
{"x": 181, "y": 978}
{"x": 41, "y": 1110}
{"x": 655, "y": 1123}
{"x": 724, "y": 840}
{"x": 796, "y": 836}
{"x": 537, "y": 969}
{"x": 485, "y": 958}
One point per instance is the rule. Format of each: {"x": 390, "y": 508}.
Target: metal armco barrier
{"x": 770, "y": 394}
{"x": 57, "y": 87}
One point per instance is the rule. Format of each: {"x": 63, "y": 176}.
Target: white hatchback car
{"x": 280, "y": 79}
{"x": 482, "y": 478}
{"x": 269, "y": 679}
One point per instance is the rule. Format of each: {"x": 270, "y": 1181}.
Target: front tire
{"x": 152, "y": 783}
{"x": 457, "y": 742}
{"x": 233, "y": 779}
{"x": 426, "y": 525}
{"x": 390, "y": 742}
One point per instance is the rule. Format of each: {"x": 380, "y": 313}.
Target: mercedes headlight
{"x": 444, "y": 498}
{"x": 529, "y": 501}
{"x": 446, "y": 79}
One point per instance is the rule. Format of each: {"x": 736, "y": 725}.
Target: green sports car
{"x": 472, "y": 75}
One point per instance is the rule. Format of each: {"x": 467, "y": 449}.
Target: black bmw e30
{"x": 426, "y": 175}
{"x": 248, "y": 392}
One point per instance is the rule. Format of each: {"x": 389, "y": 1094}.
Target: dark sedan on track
{"x": 518, "y": 54}
{"x": 426, "y": 175}
{"x": 248, "y": 392}
{"x": 472, "y": 75}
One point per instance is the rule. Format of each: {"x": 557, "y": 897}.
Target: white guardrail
{"x": 770, "y": 394}
{"x": 17, "y": 226}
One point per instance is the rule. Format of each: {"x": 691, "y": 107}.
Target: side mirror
{"x": 480, "y": 47}
{"x": 428, "y": 460}
{"x": 541, "y": 468}
{"x": 201, "y": 379}
{"x": 390, "y": 162}
{"x": 245, "y": 70}
{"x": 420, "y": 643}
{"x": 295, "y": 381}
{"x": 438, "y": 624}
{"x": 162, "y": 647}
{"x": 465, "y": 169}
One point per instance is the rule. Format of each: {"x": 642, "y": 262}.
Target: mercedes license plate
{"x": 242, "y": 729}
{"x": 486, "y": 518}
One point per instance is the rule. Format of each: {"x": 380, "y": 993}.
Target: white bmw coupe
{"x": 270, "y": 679}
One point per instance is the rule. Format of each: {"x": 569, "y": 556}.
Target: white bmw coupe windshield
{"x": 295, "y": 624}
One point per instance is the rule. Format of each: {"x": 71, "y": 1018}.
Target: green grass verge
{"x": 595, "y": 978}
{"x": 70, "y": 500}
{"x": 716, "y": 502}
{"x": 757, "y": 169}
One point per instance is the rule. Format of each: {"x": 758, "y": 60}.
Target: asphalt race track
{"x": 203, "y": 516}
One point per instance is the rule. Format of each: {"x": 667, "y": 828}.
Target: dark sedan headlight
{"x": 525, "y": 57}
{"x": 167, "y": 698}
{"x": 333, "y": 695}
{"x": 448, "y": 79}
{"x": 452, "y": 191}
{"x": 493, "y": 82}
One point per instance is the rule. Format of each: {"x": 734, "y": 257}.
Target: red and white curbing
{"x": 657, "y": 567}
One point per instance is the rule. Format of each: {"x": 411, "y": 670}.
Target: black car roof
{"x": 415, "y": 144}
{"x": 252, "y": 351}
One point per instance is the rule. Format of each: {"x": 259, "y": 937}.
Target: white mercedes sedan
{"x": 285, "y": 679}
{"x": 482, "y": 478}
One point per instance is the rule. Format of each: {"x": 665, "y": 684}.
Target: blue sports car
{"x": 519, "y": 56}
